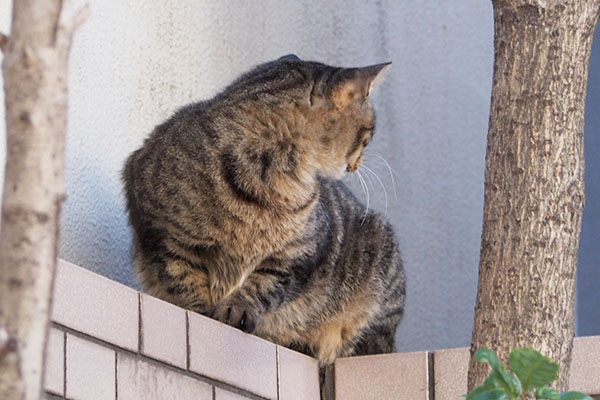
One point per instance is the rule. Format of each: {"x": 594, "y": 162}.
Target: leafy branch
{"x": 531, "y": 372}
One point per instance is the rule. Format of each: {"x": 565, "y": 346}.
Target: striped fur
{"x": 238, "y": 213}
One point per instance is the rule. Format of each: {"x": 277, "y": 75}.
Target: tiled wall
{"x": 109, "y": 342}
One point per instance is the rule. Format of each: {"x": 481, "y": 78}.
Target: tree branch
{"x": 80, "y": 16}
{"x": 3, "y": 42}
{"x": 35, "y": 81}
{"x": 68, "y": 22}
{"x": 7, "y": 344}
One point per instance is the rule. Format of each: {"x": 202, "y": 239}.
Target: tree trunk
{"x": 534, "y": 189}
{"x": 35, "y": 84}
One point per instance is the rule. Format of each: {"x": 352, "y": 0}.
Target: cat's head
{"x": 327, "y": 110}
{"x": 348, "y": 119}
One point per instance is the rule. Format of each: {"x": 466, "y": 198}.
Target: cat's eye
{"x": 366, "y": 142}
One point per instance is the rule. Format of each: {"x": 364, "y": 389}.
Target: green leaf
{"x": 483, "y": 393}
{"x": 532, "y": 368}
{"x": 497, "y": 394}
{"x": 489, "y": 357}
{"x": 499, "y": 374}
{"x": 489, "y": 390}
{"x": 507, "y": 381}
{"x": 574, "y": 396}
{"x": 547, "y": 393}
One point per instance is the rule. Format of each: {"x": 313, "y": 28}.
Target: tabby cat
{"x": 238, "y": 212}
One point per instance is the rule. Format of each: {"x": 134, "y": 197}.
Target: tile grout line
{"x": 64, "y": 391}
{"x": 214, "y": 393}
{"x": 116, "y": 376}
{"x": 278, "y": 372}
{"x": 187, "y": 340}
{"x": 140, "y": 325}
{"x": 431, "y": 375}
{"x": 328, "y": 389}
{"x": 333, "y": 381}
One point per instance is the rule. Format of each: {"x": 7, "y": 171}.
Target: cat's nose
{"x": 356, "y": 165}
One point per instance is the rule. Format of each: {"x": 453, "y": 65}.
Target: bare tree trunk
{"x": 534, "y": 190}
{"x": 35, "y": 84}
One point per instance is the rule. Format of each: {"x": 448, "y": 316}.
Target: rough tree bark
{"x": 534, "y": 190}
{"x": 35, "y": 84}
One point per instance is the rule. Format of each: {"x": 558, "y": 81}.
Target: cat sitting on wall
{"x": 238, "y": 212}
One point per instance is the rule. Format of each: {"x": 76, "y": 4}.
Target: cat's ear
{"x": 356, "y": 84}
{"x": 290, "y": 57}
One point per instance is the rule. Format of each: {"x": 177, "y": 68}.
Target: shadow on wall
{"x": 588, "y": 274}
{"x": 93, "y": 228}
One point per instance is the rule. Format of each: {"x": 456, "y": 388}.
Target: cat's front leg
{"x": 183, "y": 283}
{"x": 237, "y": 312}
{"x": 264, "y": 291}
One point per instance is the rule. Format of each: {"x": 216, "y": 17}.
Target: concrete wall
{"x": 135, "y": 62}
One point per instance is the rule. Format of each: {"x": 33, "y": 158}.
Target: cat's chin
{"x": 336, "y": 174}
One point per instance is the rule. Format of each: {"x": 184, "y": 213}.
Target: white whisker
{"x": 391, "y": 174}
{"x": 381, "y": 183}
{"x": 366, "y": 190}
{"x": 368, "y": 178}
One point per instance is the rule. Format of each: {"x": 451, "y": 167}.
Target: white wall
{"x": 134, "y": 62}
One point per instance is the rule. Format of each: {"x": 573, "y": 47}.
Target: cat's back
{"x": 172, "y": 167}
{"x": 187, "y": 128}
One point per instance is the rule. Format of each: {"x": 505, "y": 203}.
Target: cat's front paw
{"x": 238, "y": 315}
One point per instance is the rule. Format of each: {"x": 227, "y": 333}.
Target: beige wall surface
{"x": 135, "y": 62}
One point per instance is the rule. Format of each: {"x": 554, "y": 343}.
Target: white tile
{"x": 163, "y": 331}
{"x": 231, "y": 356}
{"x": 54, "y": 371}
{"x": 90, "y": 370}
{"x": 298, "y": 376}
{"x": 221, "y": 394}
{"x": 383, "y": 377}
{"x": 141, "y": 380}
{"x": 95, "y": 305}
{"x": 450, "y": 368}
